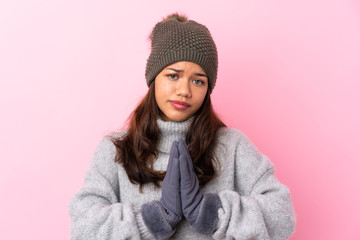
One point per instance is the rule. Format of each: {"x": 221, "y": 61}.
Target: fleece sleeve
{"x": 262, "y": 208}
{"x": 95, "y": 210}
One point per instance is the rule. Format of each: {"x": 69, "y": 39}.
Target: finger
{"x": 174, "y": 153}
{"x": 183, "y": 150}
{"x": 175, "y": 172}
{"x": 188, "y": 186}
{"x": 185, "y": 171}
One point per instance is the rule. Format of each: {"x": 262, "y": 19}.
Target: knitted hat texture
{"x": 174, "y": 41}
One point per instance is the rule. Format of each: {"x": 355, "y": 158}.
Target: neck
{"x": 170, "y": 132}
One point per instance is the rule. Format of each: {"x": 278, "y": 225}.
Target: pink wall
{"x": 72, "y": 71}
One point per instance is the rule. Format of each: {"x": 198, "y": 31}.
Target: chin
{"x": 176, "y": 118}
{"x": 179, "y": 119}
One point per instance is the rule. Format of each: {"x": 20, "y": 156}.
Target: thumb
{"x": 183, "y": 151}
{"x": 185, "y": 171}
{"x": 174, "y": 171}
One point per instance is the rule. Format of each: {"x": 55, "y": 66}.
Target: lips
{"x": 180, "y": 105}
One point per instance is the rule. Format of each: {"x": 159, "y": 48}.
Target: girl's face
{"x": 180, "y": 90}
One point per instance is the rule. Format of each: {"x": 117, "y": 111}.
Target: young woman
{"x": 178, "y": 172}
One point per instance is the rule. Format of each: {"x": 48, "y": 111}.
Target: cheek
{"x": 163, "y": 91}
{"x": 159, "y": 93}
{"x": 200, "y": 97}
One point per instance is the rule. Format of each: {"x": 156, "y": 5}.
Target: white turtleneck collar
{"x": 170, "y": 132}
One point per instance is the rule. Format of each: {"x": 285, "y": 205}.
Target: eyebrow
{"x": 179, "y": 70}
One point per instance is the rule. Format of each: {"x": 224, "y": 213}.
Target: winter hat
{"x": 178, "y": 39}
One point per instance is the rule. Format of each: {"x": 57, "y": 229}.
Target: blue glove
{"x": 162, "y": 217}
{"x": 201, "y": 210}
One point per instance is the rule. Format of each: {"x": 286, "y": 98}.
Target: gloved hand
{"x": 162, "y": 217}
{"x": 171, "y": 200}
{"x": 201, "y": 210}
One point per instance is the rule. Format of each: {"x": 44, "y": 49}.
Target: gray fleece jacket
{"x": 255, "y": 205}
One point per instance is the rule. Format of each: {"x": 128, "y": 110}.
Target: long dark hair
{"x": 137, "y": 150}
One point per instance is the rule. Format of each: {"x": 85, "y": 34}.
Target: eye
{"x": 198, "y": 82}
{"x": 173, "y": 76}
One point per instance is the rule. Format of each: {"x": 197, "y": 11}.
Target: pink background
{"x": 72, "y": 71}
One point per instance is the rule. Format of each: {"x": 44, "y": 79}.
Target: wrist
{"x": 171, "y": 217}
{"x": 155, "y": 219}
{"x": 208, "y": 214}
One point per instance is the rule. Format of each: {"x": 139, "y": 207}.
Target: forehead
{"x": 186, "y": 65}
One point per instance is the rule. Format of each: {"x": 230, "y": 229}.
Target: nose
{"x": 183, "y": 88}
